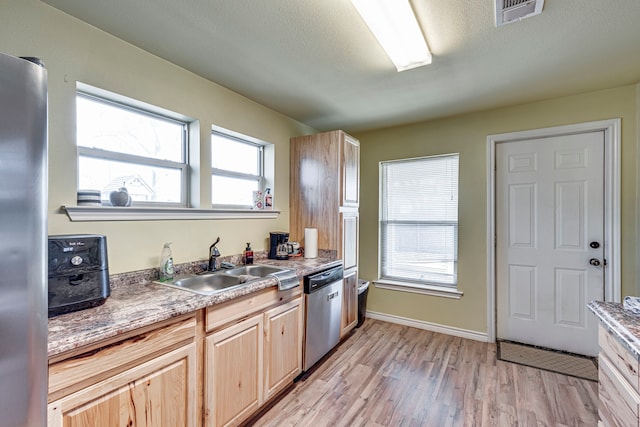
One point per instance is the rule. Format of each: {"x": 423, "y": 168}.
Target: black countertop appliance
{"x": 78, "y": 272}
{"x": 278, "y": 245}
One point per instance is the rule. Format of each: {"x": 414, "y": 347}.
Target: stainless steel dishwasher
{"x": 323, "y": 300}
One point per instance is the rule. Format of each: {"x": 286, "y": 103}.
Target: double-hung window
{"x": 419, "y": 221}
{"x": 120, "y": 145}
{"x": 237, "y": 169}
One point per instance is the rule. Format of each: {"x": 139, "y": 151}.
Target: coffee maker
{"x": 278, "y": 245}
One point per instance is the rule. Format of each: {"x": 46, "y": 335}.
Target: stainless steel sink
{"x": 206, "y": 284}
{"x": 256, "y": 270}
{"x": 214, "y": 282}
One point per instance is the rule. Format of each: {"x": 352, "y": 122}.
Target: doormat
{"x": 549, "y": 360}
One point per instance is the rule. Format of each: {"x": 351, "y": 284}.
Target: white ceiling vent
{"x": 508, "y": 11}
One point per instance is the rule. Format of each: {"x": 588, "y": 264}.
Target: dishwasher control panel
{"x": 319, "y": 280}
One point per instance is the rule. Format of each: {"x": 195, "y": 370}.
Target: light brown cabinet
{"x": 618, "y": 383}
{"x": 214, "y": 367}
{"x": 349, "y": 230}
{"x": 145, "y": 380}
{"x": 350, "y": 171}
{"x": 283, "y": 327}
{"x": 325, "y": 194}
{"x": 234, "y": 372}
{"x": 253, "y": 350}
{"x": 350, "y": 301}
{"x": 324, "y": 182}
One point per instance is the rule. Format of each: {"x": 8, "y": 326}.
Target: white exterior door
{"x": 549, "y": 240}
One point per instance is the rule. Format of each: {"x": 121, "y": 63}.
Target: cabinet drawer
{"x": 230, "y": 311}
{"x": 97, "y": 364}
{"x": 620, "y": 357}
{"x": 619, "y": 402}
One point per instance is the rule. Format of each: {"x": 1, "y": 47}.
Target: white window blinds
{"x": 419, "y": 220}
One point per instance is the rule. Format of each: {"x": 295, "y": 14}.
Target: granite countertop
{"x": 138, "y": 304}
{"x": 622, "y": 323}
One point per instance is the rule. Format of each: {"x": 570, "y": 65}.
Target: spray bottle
{"x": 268, "y": 199}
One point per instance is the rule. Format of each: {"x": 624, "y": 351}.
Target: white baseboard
{"x": 433, "y": 327}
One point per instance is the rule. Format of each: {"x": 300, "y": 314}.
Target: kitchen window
{"x": 123, "y": 145}
{"x": 419, "y": 223}
{"x": 237, "y": 168}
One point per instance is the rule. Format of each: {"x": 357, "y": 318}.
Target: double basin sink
{"x": 209, "y": 283}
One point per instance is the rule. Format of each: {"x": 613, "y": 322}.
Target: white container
{"x": 311, "y": 243}
{"x": 258, "y": 200}
{"x": 89, "y": 198}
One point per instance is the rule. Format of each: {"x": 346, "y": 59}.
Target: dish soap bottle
{"x": 248, "y": 254}
{"x": 166, "y": 264}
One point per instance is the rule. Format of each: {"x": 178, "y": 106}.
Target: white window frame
{"x": 182, "y": 166}
{"x": 259, "y": 178}
{"x": 191, "y": 181}
{"x": 411, "y": 285}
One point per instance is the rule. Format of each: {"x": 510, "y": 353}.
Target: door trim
{"x": 611, "y": 129}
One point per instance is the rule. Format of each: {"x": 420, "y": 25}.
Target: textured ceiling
{"x": 316, "y": 61}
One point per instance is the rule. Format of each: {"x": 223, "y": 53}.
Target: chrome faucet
{"x": 214, "y": 253}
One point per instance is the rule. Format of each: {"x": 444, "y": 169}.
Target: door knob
{"x": 595, "y": 262}
{"x": 594, "y": 245}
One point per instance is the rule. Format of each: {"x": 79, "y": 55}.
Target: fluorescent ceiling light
{"x": 396, "y": 28}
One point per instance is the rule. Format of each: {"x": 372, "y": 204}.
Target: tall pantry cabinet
{"x": 325, "y": 194}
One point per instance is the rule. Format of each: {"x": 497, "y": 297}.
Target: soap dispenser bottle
{"x": 248, "y": 254}
{"x": 268, "y": 199}
{"x": 166, "y": 263}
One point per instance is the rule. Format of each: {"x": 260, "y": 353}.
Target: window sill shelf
{"x": 110, "y": 213}
{"x": 438, "y": 291}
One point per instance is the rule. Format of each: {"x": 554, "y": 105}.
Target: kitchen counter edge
{"x": 622, "y": 323}
{"x": 136, "y": 305}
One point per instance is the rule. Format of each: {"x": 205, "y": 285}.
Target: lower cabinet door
{"x": 282, "y": 346}
{"x": 160, "y": 392}
{"x": 233, "y": 372}
{"x": 349, "y": 302}
{"x": 619, "y": 403}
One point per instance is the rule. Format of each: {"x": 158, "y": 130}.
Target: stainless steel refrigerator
{"x": 23, "y": 242}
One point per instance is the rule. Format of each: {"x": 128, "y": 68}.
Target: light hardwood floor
{"x": 392, "y": 375}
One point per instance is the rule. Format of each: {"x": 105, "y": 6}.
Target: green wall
{"x": 467, "y": 135}
{"x": 75, "y": 51}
